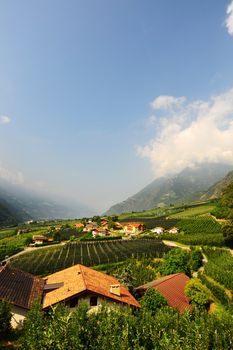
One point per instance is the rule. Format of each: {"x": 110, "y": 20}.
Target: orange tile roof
{"x": 78, "y": 225}
{"x": 172, "y": 288}
{"x": 79, "y": 279}
{"x": 134, "y": 224}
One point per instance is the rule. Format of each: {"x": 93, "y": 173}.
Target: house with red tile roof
{"x": 133, "y": 227}
{"x": 20, "y": 289}
{"x": 172, "y": 289}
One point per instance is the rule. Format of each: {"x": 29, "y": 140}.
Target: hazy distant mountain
{"x": 189, "y": 185}
{"x": 217, "y": 190}
{"x": 25, "y": 204}
{"x": 8, "y": 215}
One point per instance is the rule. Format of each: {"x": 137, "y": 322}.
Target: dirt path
{"x": 29, "y": 249}
{"x": 174, "y": 244}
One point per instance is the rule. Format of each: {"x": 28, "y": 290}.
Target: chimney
{"x": 115, "y": 289}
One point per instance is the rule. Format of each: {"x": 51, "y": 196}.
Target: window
{"x": 73, "y": 302}
{"x": 93, "y": 301}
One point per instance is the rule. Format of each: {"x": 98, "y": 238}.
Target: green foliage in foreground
{"x": 152, "y": 300}
{"x": 125, "y": 329}
{"x": 5, "y": 317}
{"x": 198, "y": 294}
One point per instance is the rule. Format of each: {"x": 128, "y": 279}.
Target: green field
{"x": 193, "y": 211}
{"x": 48, "y": 260}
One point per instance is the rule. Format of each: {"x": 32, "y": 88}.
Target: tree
{"x": 198, "y": 294}
{"x": 175, "y": 261}
{"x": 227, "y": 231}
{"x": 153, "y": 300}
{"x": 195, "y": 261}
{"x": 33, "y": 336}
{"x": 5, "y": 317}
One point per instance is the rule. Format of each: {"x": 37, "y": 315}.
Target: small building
{"x": 90, "y": 227}
{"x": 134, "y": 228}
{"x": 104, "y": 222}
{"x": 20, "y": 289}
{"x": 174, "y": 230}
{"x": 101, "y": 232}
{"x": 39, "y": 239}
{"x": 172, "y": 289}
{"x": 158, "y": 230}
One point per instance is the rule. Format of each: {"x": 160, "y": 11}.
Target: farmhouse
{"x": 81, "y": 282}
{"x": 133, "y": 227}
{"x": 68, "y": 286}
{"x": 102, "y": 232}
{"x": 90, "y": 227}
{"x": 39, "y": 239}
{"x": 20, "y": 289}
{"x": 172, "y": 289}
{"x": 158, "y": 230}
{"x": 173, "y": 230}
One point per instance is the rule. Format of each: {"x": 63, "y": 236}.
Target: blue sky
{"x": 77, "y": 79}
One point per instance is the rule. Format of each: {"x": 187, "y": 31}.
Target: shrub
{"x": 153, "y": 300}
{"x": 5, "y": 317}
{"x": 195, "y": 261}
{"x": 198, "y": 294}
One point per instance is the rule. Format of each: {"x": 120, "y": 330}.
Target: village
{"x": 103, "y": 227}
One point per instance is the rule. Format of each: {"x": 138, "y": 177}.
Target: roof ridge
{"x": 82, "y": 273}
{"x": 169, "y": 278}
{"x": 2, "y": 267}
{"x": 164, "y": 280}
{"x": 22, "y": 271}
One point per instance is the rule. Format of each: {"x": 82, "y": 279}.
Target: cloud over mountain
{"x": 187, "y": 133}
{"x": 229, "y": 19}
{"x": 4, "y": 119}
{"x": 15, "y": 178}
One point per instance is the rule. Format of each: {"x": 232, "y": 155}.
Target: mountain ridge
{"x": 190, "y": 184}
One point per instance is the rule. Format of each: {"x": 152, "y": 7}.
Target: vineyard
{"x": 204, "y": 225}
{"x": 48, "y": 260}
{"x": 220, "y": 266}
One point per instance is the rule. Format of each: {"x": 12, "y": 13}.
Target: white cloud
{"x": 229, "y": 19}
{"x": 15, "y": 178}
{"x": 167, "y": 102}
{"x": 199, "y": 131}
{"x": 4, "y": 119}
{"x": 151, "y": 121}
